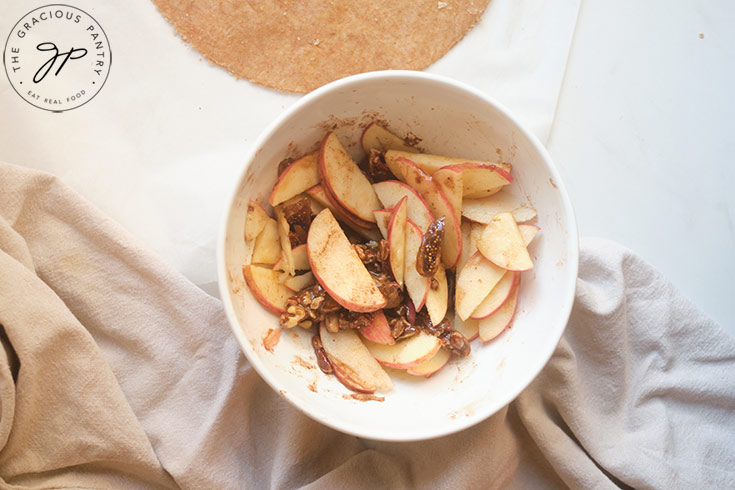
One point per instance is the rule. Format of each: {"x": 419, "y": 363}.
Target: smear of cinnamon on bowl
{"x": 363, "y": 397}
{"x": 303, "y": 363}
{"x": 271, "y": 339}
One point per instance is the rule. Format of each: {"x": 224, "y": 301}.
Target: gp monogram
{"x": 57, "y": 57}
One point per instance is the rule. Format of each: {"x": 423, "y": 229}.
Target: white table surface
{"x": 643, "y": 136}
{"x": 641, "y": 127}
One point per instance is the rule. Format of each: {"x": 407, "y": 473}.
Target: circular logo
{"x": 57, "y": 57}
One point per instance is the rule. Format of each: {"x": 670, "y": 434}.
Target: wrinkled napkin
{"x": 117, "y": 372}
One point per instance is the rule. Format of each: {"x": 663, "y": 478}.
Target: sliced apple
{"x": 497, "y": 297}
{"x": 316, "y": 206}
{"x": 478, "y": 277}
{"x": 481, "y": 180}
{"x": 432, "y": 163}
{"x": 319, "y": 194}
{"x": 407, "y": 353}
{"x": 397, "y": 239}
{"x": 283, "y": 231}
{"x": 266, "y": 289}
{"x": 297, "y": 283}
{"x": 337, "y": 267}
{"x": 477, "y": 230}
{"x": 437, "y": 299}
{"x": 300, "y": 257}
{"x": 427, "y": 368}
{"x": 439, "y": 206}
{"x": 267, "y": 246}
{"x": 353, "y": 219}
{"x": 416, "y": 284}
{"x": 382, "y": 219}
{"x": 502, "y": 244}
{"x": 469, "y": 327}
{"x": 483, "y": 209}
{"x": 391, "y": 191}
{"x": 350, "y": 379}
{"x": 450, "y": 182}
{"x": 300, "y": 260}
{"x": 255, "y": 220}
{"x": 494, "y": 325}
{"x": 378, "y": 331}
{"x": 528, "y": 232}
{"x": 299, "y": 176}
{"x": 345, "y": 181}
{"x": 377, "y": 137}
{"x": 469, "y": 245}
{"x": 353, "y": 364}
{"x": 523, "y": 214}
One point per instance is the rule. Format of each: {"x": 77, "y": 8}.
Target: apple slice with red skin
{"x": 502, "y": 244}
{"x": 391, "y": 191}
{"x": 482, "y": 210}
{"x": 300, "y": 258}
{"x": 469, "y": 327}
{"x": 295, "y": 179}
{"x": 431, "y": 163}
{"x": 345, "y": 181}
{"x": 439, "y": 206}
{"x": 353, "y": 364}
{"x": 417, "y": 285}
{"x": 449, "y": 181}
{"x": 318, "y": 194}
{"x": 397, "y": 240}
{"x": 480, "y": 180}
{"x": 267, "y": 246}
{"x": 376, "y": 137}
{"x": 474, "y": 282}
{"x": 437, "y": 299}
{"x": 382, "y": 219}
{"x": 297, "y": 283}
{"x": 342, "y": 373}
{"x": 351, "y": 218}
{"x": 266, "y": 288}
{"x": 283, "y": 231}
{"x": 477, "y": 230}
{"x": 255, "y": 220}
{"x": 528, "y": 232}
{"x": 337, "y": 267}
{"x": 523, "y": 214}
{"x": 469, "y": 246}
{"x": 494, "y": 325}
{"x": 427, "y": 368}
{"x": 497, "y": 297}
{"x": 406, "y": 353}
{"x": 378, "y": 331}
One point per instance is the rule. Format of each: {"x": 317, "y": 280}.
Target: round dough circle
{"x": 298, "y": 46}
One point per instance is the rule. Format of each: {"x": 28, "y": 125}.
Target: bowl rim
{"x": 539, "y": 362}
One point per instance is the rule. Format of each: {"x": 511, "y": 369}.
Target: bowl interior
{"x": 451, "y": 120}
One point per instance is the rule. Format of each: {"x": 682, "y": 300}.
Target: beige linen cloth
{"x": 116, "y": 372}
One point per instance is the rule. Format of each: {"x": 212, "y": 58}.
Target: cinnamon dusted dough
{"x": 299, "y": 45}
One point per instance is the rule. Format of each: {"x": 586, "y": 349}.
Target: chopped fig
{"x": 427, "y": 260}
{"x": 321, "y": 356}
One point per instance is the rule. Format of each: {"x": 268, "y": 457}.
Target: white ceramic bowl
{"x": 451, "y": 119}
